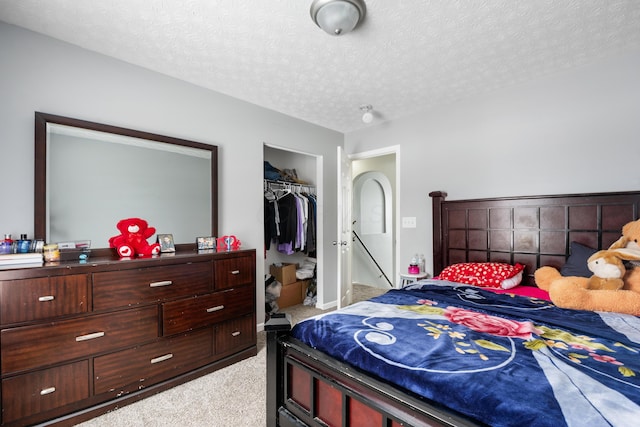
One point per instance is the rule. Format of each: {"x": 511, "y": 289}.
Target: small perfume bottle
{"x": 413, "y": 266}
{"x": 5, "y": 245}
{"x": 24, "y": 244}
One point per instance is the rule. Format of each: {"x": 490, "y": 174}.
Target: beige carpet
{"x": 232, "y": 396}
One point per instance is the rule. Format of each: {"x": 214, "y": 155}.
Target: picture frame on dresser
{"x": 206, "y": 243}
{"x": 166, "y": 243}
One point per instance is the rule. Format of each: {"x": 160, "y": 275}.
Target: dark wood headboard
{"x": 532, "y": 230}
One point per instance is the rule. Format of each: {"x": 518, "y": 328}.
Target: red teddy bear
{"x": 132, "y": 240}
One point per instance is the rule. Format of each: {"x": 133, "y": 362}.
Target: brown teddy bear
{"x": 630, "y": 237}
{"x": 601, "y": 292}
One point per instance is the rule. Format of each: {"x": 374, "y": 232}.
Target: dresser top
{"x": 112, "y": 263}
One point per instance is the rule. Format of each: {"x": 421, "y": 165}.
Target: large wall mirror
{"x": 88, "y": 176}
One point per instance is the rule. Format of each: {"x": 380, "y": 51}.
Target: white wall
{"x": 574, "y": 132}
{"x": 38, "y": 73}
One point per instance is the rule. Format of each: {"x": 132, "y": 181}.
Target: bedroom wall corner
{"x": 572, "y": 132}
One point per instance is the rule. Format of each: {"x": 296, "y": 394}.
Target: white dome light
{"x": 367, "y": 113}
{"x": 337, "y": 17}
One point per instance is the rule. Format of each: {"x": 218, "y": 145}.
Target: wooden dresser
{"x": 78, "y": 340}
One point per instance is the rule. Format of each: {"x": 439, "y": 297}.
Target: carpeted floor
{"x": 360, "y": 293}
{"x": 232, "y": 396}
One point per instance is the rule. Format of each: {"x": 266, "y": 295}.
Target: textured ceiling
{"x": 408, "y": 56}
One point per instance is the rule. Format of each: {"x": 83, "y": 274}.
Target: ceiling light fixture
{"x": 337, "y": 17}
{"x": 367, "y": 113}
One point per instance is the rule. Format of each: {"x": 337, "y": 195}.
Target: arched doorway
{"x": 373, "y": 247}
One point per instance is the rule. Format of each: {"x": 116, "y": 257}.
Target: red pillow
{"x": 490, "y": 274}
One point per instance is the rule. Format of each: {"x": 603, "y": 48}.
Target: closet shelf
{"x": 270, "y": 184}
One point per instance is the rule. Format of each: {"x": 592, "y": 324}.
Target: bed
{"x": 519, "y": 360}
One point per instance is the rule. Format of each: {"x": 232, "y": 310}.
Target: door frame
{"x": 393, "y": 149}
{"x": 319, "y": 160}
{"x": 370, "y": 241}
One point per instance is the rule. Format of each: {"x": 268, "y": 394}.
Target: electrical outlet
{"x": 408, "y": 222}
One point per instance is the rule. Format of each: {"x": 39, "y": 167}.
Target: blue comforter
{"x": 501, "y": 359}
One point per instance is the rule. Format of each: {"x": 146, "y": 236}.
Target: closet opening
{"x": 293, "y": 222}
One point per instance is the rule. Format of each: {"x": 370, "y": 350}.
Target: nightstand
{"x": 407, "y": 278}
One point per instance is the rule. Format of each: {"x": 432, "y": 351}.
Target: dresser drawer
{"x": 236, "y": 334}
{"x": 132, "y": 369}
{"x": 130, "y": 287}
{"x": 193, "y": 313}
{"x": 44, "y": 390}
{"x": 30, "y": 347}
{"x": 42, "y": 298}
{"x": 234, "y": 272}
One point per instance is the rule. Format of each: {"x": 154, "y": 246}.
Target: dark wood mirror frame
{"x": 40, "y": 193}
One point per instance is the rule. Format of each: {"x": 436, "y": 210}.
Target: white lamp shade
{"x": 336, "y": 17}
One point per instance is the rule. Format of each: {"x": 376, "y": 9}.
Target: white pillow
{"x": 511, "y": 282}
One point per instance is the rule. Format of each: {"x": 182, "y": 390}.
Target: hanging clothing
{"x": 270, "y": 229}
{"x": 290, "y": 220}
{"x": 311, "y": 226}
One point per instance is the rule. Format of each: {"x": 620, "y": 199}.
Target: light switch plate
{"x": 408, "y": 222}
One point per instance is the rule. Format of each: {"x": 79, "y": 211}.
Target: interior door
{"x": 344, "y": 239}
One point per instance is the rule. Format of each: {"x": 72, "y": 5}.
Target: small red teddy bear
{"x": 132, "y": 240}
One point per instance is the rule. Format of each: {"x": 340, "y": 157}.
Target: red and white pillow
{"x": 487, "y": 274}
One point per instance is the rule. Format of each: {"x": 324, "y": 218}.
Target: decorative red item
{"x": 132, "y": 240}
{"x": 228, "y": 243}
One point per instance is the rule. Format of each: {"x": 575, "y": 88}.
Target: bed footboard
{"x": 277, "y": 326}
{"x": 307, "y": 388}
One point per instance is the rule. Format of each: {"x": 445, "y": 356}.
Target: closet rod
{"x": 272, "y": 185}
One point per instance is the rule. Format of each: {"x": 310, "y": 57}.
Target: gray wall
{"x": 38, "y": 73}
{"x": 574, "y": 132}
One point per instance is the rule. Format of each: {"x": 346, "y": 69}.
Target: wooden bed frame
{"x": 307, "y": 388}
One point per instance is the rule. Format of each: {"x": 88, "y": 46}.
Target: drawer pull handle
{"x": 235, "y": 272}
{"x": 46, "y": 298}
{"x": 89, "y": 336}
{"x": 161, "y": 283}
{"x": 235, "y": 334}
{"x": 216, "y": 308}
{"x": 162, "y": 358}
{"x": 48, "y": 390}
